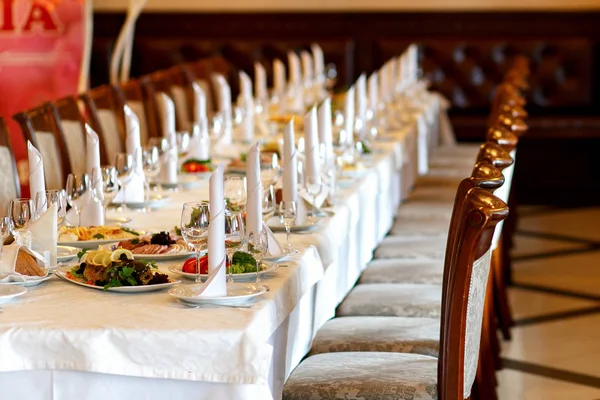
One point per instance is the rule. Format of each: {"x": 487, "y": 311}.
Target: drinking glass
{"x": 269, "y": 168}
{"x": 217, "y": 127}
{"x": 195, "y": 218}
{"x": 235, "y": 192}
{"x": 124, "y": 167}
{"x": 234, "y": 237}
{"x": 5, "y": 229}
{"x": 106, "y": 190}
{"x": 313, "y": 186}
{"x": 287, "y": 216}
{"x": 50, "y": 197}
{"x": 162, "y": 144}
{"x": 183, "y": 144}
{"x": 151, "y": 167}
{"x": 268, "y": 202}
{"x": 77, "y": 187}
{"x": 258, "y": 245}
{"x": 21, "y": 212}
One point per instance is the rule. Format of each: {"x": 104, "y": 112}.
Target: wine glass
{"x": 21, "y": 212}
{"x": 50, "y": 197}
{"x": 195, "y": 217}
{"x": 287, "y": 216}
{"x": 124, "y": 168}
{"x": 234, "y": 237}
{"x": 258, "y": 245}
{"x": 235, "y": 192}
{"x": 77, "y": 186}
{"x": 268, "y": 202}
{"x": 151, "y": 167}
{"x": 106, "y": 185}
{"x": 183, "y": 144}
{"x": 5, "y": 229}
{"x": 269, "y": 168}
{"x": 313, "y": 186}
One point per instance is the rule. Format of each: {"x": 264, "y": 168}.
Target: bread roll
{"x": 27, "y": 265}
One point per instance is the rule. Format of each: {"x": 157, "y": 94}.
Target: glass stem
{"x": 124, "y": 202}
{"x": 287, "y": 233}
{"x": 147, "y": 194}
{"x": 78, "y": 211}
{"x": 229, "y": 261}
{"x": 198, "y": 278}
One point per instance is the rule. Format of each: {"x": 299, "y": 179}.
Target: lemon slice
{"x": 89, "y": 256}
{"x": 99, "y": 257}
{"x": 116, "y": 255}
{"x": 106, "y": 260}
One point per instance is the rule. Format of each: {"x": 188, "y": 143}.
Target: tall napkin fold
{"x": 307, "y": 67}
{"x": 311, "y": 140}
{"x": 349, "y": 116}
{"x": 44, "y": 234}
{"x": 199, "y": 109}
{"x": 166, "y": 110}
{"x": 135, "y": 184}
{"x": 373, "y": 95}
{"x": 290, "y": 164}
{"x": 275, "y": 248}
{"x": 225, "y": 108}
{"x": 36, "y": 173}
{"x": 412, "y": 63}
{"x": 168, "y": 168}
{"x": 384, "y": 85}
{"x": 92, "y": 213}
{"x": 326, "y": 130}
{"x": 8, "y": 264}
{"x": 254, "y": 191}
{"x": 319, "y": 62}
{"x": 294, "y": 66}
{"x": 361, "y": 100}
{"x": 200, "y": 140}
{"x": 216, "y": 286}
{"x": 278, "y": 78}
{"x": 260, "y": 83}
{"x": 246, "y": 102}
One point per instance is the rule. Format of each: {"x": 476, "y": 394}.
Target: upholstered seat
{"x": 442, "y": 193}
{"x": 389, "y": 334}
{"x": 364, "y": 376}
{"x": 403, "y": 271}
{"x": 412, "y": 247}
{"x": 425, "y": 210}
{"x": 393, "y": 299}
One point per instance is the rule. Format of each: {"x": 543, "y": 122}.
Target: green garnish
{"x": 134, "y": 233}
{"x": 177, "y": 230}
{"x": 98, "y": 236}
{"x": 81, "y": 253}
{"x": 126, "y": 273}
{"x": 135, "y": 241}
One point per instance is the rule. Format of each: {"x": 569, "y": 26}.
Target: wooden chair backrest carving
{"x": 503, "y": 138}
{"x": 494, "y": 154}
{"x": 10, "y": 187}
{"x": 465, "y": 285}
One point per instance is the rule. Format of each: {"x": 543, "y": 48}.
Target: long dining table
{"x": 63, "y": 341}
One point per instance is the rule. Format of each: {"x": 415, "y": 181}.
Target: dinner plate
{"x": 156, "y": 200}
{"x": 89, "y": 244}
{"x": 117, "y": 221}
{"x": 29, "y": 282}
{"x": 9, "y": 292}
{"x": 186, "y": 181}
{"x": 237, "y": 293}
{"x": 66, "y": 253}
{"x": 163, "y": 257}
{"x": 246, "y": 276}
{"x": 277, "y": 226}
{"x": 62, "y": 273}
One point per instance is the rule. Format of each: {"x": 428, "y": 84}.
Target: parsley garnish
{"x": 177, "y": 230}
{"x": 81, "y": 253}
{"x": 98, "y": 236}
{"x": 135, "y": 241}
{"x": 134, "y": 233}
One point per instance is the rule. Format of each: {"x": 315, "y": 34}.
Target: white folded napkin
{"x": 290, "y": 163}
{"x": 361, "y": 99}
{"x": 278, "y": 77}
{"x": 326, "y": 130}
{"x": 349, "y": 115}
{"x": 223, "y": 91}
{"x": 200, "y": 143}
{"x": 246, "y": 102}
{"x": 307, "y": 67}
{"x": 199, "y": 107}
{"x": 36, "y": 173}
{"x": 412, "y": 55}
{"x": 168, "y": 167}
{"x": 92, "y": 213}
{"x": 311, "y": 142}
{"x": 260, "y": 83}
{"x": 135, "y": 184}
{"x": 319, "y": 62}
{"x": 9, "y": 260}
{"x": 373, "y": 95}
{"x": 275, "y": 248}
{"x": 216, "y": 285}
{"x": 166, "y": 110}
{"x": 384, "y": 85}
{"x": 254, "y": 191}
{"x": 44, "y": 236}
{"x": 294, "y": 66}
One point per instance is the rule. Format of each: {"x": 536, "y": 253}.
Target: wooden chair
{"x": 131, "y": 93}
{"x": 105, "y": 109}
{"x": 68, "y": 121}
{"x": 10, "y": 187}
{"x": 377, "y": 375}
{"x": 39, "y": 128}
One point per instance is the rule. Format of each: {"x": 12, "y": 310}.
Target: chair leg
{"x": 501, "y": 304}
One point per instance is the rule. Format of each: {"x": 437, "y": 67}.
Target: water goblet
{"x": 235, "y": 192}
{"x": 124, "y": 166}
{"x": 151, "y": 168}
{"x": 234, "y": 237}
{"x": 258, "y": 246}
{"x": 268, "y": 202}
{"x": 195, "y": 218}
{"x": 76, "y": 189}
{"x": 21, "y": 212}
{"x": 313, "y": 186}
{"x": 49, "y": 198}
{"x": 106, "y": 185}
{"x": 269, "y": 168}
{"x": 287, "y": 216}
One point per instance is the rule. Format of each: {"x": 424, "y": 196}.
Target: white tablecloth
{"x": 61, "y": 341}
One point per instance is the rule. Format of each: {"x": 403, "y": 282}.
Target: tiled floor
{"x": 555, "y": 350}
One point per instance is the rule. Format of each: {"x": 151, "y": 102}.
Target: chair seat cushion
{"x": 388, "y": 334}
{"x": 363, "y": 376}
{"x": 426, "y": 209}
{"x": 436, "y": 194}
{"x": 409, "y": 227}
{"x": 393, "y": 299}
{"x": 394, "y": 270}
{"x": 412, "y": 247}
{"x": 444, "y": 177}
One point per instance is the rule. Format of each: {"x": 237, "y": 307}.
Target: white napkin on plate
{"x": 246, "y": 102}
{"x": 307, "y": 67}
{"x": 92, "y": 213}
{"x": 326, "y": 129}
{"x": 200, "y": 140}
{"x": 275, "y": 248}
{"x": 166, "y": 110}
{"x": 44, "y": 236}
{"x": 223, "y": 91}
{"x": 319, "y": 62}
{"x": 36, "y": 173}
{"x": 361, "y": 99}
{"x": 216, "y": 286}
{"x": 311, "y": 142}
{"x": 294, "y": 66}
{"x": 199, "y": 108}
{"x": 254, "y": 191}
{"x": 168, "y": 167}
{"x": 372, "y": 85}
{"x": 349, "y": 115}
{"x": 278, "y": 78}
{"x": 260, "y": 83}
{"x": 290, "y": 171}
{"x": 9, "y": 260}
{"x": 412, "y": 63}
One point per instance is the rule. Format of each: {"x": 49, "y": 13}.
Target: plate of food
{"x": 66, "y": 253}
{"x": 197, "y": 168}
{"x": 244, "y": 267}
{"x": 93, "y": 236}
{"x": 161, "y": 246}
{"x": 116, "y": 271}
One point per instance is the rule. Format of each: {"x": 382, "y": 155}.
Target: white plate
{"x": 275, "y": 258}
{"x": 117, "y": 221}
{"x": 66, "y": 253}
{"x": 62, "y": 273}
{"x": 246, "y": 276}
{"x": 237, "y": 293}
{"x": 29, "y": 282}
{"x": 8, "y": 292}
{"x": 156, "y": 200}
{"x": 89, "y": 244}
{"x": 277, "y": 226}
{"x": 163, "y": 257}
{"x": 186, "y": 181}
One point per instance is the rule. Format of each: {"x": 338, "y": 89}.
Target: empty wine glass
{"x": 151, "y": 167}
{"x": 47, "y": 199}
{"x": 4, "y": 231}
{"x": 258, "y": 245}
{"x": 235, "y": 192}
{"x": 183, "y": 144}
{"x": 313, "y": 186}
{"x": 124, "y": 167}
{"x": 234, "y": 237}
{"x": 195, "y": 218}
{"x": 21, "y": 212}
{"x": 287, "y": 216}
{"x": 269, "y": 168}
{"x": 268, "y": 202}
{"x": 106, "y": 185}
{"x": 77, "y": 187}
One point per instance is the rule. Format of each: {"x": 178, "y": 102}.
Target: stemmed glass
{"x": 124, "y": 167}
{"x": 235, "y": 192}
{"x": 287, "y": 216}
{"x": 313, "y": 186}
{"x": 4, "y": 231}
{"x": 269, "y": 168}
{"x": 183, "y": 144}
{"x": 105, "y": 191}
{"x": 50, "y": 197}
{"x": 268, "y": 202}
{"x": 21, "y": 212}
{"x": 77, "y": 187}
{"x": 234, "y": 237}
{"x": 258, "y": 245}
{"x": 151, "y": 167}
{"x": 195, "y": 218}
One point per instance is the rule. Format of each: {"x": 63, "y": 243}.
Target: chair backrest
{"x": 70, "y": 124}
{"x": 105, "y": 109}
{"x": 465, "y": 290}
{"x": 502, "y": 137}
{"x": 10, "y": 187}
{"x": 134, "y": 98}
{"x": 40, "y": 130}
{"x": 495, "y": 154}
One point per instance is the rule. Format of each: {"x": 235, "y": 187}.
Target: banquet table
{"x": 63, "y": 341}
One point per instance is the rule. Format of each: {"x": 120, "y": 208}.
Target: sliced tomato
{"x": 189, "y": 266}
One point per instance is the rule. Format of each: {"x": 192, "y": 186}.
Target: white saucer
{"x": 9, "y": 292}
{"x": 237, "y": 293}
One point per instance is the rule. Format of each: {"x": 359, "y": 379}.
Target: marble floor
{"x": 555, "y": 299}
